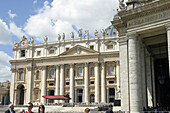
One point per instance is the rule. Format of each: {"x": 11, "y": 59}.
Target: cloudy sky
{"x": 39, "y": 18}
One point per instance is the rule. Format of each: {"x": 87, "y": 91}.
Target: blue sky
{"x": 39, "y": 18}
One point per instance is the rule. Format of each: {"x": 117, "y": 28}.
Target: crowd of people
{"x": 155, "y": 109}
{"x": 41, "y": 109}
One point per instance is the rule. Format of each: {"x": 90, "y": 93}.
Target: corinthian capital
{"x": 132, "y": 35}
{"x": 167, "y": 26}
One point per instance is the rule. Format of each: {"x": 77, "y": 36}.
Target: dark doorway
{"x": 51, "y": 93}
{"x": 162, "y": 82}
{"x": 79, "y": 95}
{"x": 20, "y": 90}
{"x": 111, "y": 94}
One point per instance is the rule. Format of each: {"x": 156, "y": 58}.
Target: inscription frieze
{"x": 149, "y": 19}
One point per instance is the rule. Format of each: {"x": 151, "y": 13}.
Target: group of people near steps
{"x": 41, "y": 109}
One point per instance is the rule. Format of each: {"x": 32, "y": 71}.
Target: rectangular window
{"x": 79, "y": 82}
{"x": 111, "y": 70}
{"x": 111, "y": 82}
{"x": 80, "y": 72}
{"x": 22, "y": 53}
{"x": 67, "y": 48}
{"x": 92, "y": 82}
{"x": 92, "y": 47}
{"x": 67, "y": 83}
{"x": 68, "y": 73}
{"x": 51, "y": 51}
{"x": 109, "y": 46}
{"x": 38, "y": 53}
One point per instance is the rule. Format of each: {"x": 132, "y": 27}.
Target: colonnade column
{"x": 134, "y": 75}
{"x": 62, "y": 81}
{"x": 29, "y": 84}
{"x": 12, "y": 85}
{"x": 97, "y": 82}
{"x": 103, "y": 83}
{"x": 118, "y": 80}
{"x": 43, "y": 87}
{"x": 86, "y": 85}
{"x": 123, "y": 51}
{"x": 168, "y": 40}
{"x": 72, "y": 83}
{"x": 57, "y": 81}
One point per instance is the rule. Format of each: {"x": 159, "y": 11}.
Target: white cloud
{"x": 59, "y": 16}
{"x": 5, "y": 36}
{"x": 11, "y": 15}
{"x": 35, "y": 1}
{"x": 17, "y": 31}
{"x": 5, "y": 73}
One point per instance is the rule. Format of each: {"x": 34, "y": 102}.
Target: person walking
{"x": 110, "y": 110}
{"x": 41, "y": 109}
{"x": 29, "y": 106}
{"x": 11, "y": 109}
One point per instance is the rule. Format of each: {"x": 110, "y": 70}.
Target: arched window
{"x": 80, "y": 71}
{"x": 52, "y": 74}
{"x": 92, "y": 71}
{"x": 21, "y": 77}
{"x": 111, "y": 70}
{"x": 37, "y": 75}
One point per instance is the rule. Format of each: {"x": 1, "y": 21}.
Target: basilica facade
{"x": 85, "y": 69}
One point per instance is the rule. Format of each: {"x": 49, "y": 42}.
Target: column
{"x": 72, "y": 83}
{"x": 43, "y": 87}
{"x": 118, "y": 80}
{"x": 15, "y": 97}
{"x": 153, "y": 84}
{"x": 97, "y": 82}
{"x": 107, "y": 95}
{"x": 75, "y": 95}
{"x": 123, "y": 52}
{"x": 86, "y": 83}
{"x": 134, "y": 75}
{"x": 149, "y": 79}
{"x": 143, "y": 74}
{"x": 168, "y": 41}
{"x": 57, "y": 81}
{"x": 103, "y": 83}
{"x": 29, "y": 85}
{"x": 62, "y": 81}
{"x": 12, "y": 85}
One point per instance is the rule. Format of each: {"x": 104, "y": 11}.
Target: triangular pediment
{"x": 78, "y": 50}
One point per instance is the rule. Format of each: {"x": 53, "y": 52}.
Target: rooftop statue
{"x": 96, "y": 33}
{"x": 45, "y": 39}
{"x": 121, "y": 5}
{"x": 32, "y": 40}
{"x": 80, "y": 33}
{"x": 63, "y": 36}
{"x": 87, "y": 33}
{"x": 59, "y": 37}
{"x": 103, "y": 32}
{"x": 72, "y": 35}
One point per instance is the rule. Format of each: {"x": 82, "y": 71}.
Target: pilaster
{"x": 86, "y": 85}
{"x": 57, "y": 81}
{"x": 62, "y": 81}
{"x": 43, "y": 87}
{"x": 103, "y": 83}
{"x": 97, "y": 82}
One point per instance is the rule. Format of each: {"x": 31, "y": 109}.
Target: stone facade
{"x": 85, "y": 69}
{"x": 4, "y": 92}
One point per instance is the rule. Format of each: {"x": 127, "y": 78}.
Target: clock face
{"x": 23, "y": 43}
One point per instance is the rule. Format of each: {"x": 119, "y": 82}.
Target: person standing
{"x": 110, "y": 110}
{"x": 29, "y": 106}
{"x": 11, "y": 109}
{"x": 41, "y": 109}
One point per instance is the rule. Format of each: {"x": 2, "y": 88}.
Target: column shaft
{"x": 168, "y": 40}
{"x": 86, "y": 85}
{"x": 57, "y": 81}
{"x": 134, "y": 76}
{"x": 12, "y": 85}
{"x": 96, "y": 82}
{"x": 103, "y": 84}
{"x": 29, "y": 84}
{"x": 72, "y": 83}
{"x": 43, "y": 88}
{"x": 62, "y": 81}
